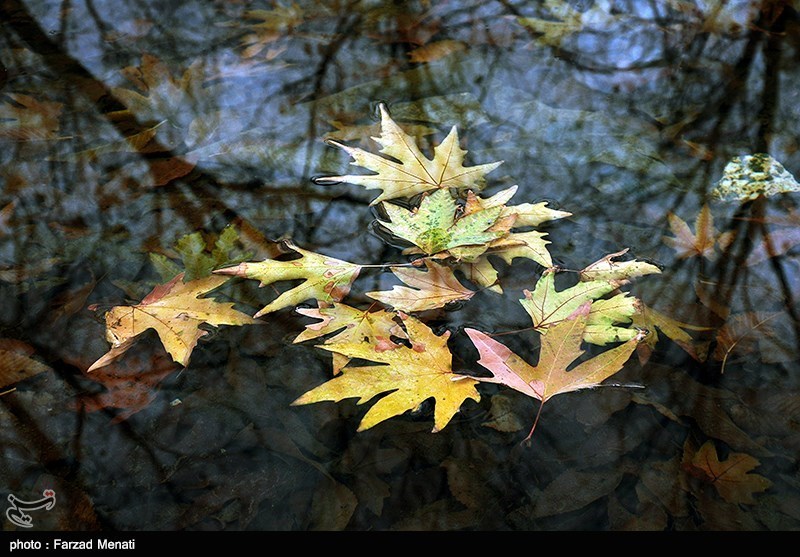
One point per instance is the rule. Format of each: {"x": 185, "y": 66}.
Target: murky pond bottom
{"x": 146, "y": 145}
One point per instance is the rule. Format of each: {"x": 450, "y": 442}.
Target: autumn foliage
{"x": 450, "y": 230}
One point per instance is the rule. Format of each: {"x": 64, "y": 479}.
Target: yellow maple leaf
{"x": 511, "y": 245}
{"x": 326, "y": 279}
{"x": 351, "y": 325}
{"x": 409, "y": 172}
{"x": 176, "y": 311}
{"x": 410, "y": 376}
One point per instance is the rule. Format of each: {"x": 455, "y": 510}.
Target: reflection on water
{"x": 133, "y": 134}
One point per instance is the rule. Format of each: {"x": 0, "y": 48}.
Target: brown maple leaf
{"x": 24, "y": 118}
{"x": 560, "y": 348}
{"x": 731, "y": 477}
{"x": 17, "y": 362}
{"x": 131, "y": 386}
{"x": 702, "y": 242}
{"x": 160, "y": 95}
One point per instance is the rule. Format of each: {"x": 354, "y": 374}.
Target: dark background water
{"x": 125, "y": 127}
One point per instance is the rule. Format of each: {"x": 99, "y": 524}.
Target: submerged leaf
{"x": 160, "y": 95}
{"x": 768, "y": 333}
{"x": 564, "y": 21}
{"x": 201, "y": 255}
{"x": 731, "y": 477}
{"x": 702, "y": 242}
{"x": 649, "y": 319}
{"x": 435, "y": 50}
{"x": 17, "y": 362}
{"x": 130, "y": 386}
{"x": 410, "y": 376}
{"x": 414, "y": 173}
{"x": 27, "y": 119}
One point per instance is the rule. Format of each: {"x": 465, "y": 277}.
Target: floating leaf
{"x": 414, "y": 173}
{"x": 176, "y": 311}
{"x": 507, "y": 244}
{"x": 324, "y": 278}
{"x": 560, "y": 348}
{"x": 352, "y": 325}
{"x": 410, "y": 376}
{"x": 431, "y": 289}
{"x": 547, "y": 307}
{"x": 435, "y": 226}
{"x": 610, "y": 270}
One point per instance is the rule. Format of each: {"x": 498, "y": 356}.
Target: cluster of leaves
{"x": 434, "y": 207}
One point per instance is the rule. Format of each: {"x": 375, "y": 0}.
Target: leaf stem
{"x": 735, "y": 342}
{"x": 535, "y": 421}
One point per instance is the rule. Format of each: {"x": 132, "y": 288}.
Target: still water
{"x": 143, "y": 139}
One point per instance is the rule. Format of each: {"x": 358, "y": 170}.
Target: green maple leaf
{"x": 409, "y": 172}
{"x": 410, "y": 376}
{"x": 548, "y": 306}
{"x": 561, "y": 346}
{"x": 435, "y": 226}
{"x": 198, "y": 257}
{"x": 324, "y": 278}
